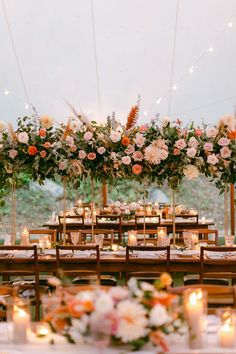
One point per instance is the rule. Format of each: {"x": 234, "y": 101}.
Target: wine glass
{"x": 74, "y": 238}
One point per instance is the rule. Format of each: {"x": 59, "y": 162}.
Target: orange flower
{"x": 91, "y": 156}
{"x": 232, "y": 135}
{"x": 42, "y": 132}
{"x": 32, "y": 150}
{"x": 78, "y": 308}
{"x": 125, "y": 141}
{"x": 137, "y": 169}
{"x": 165, "y": 279}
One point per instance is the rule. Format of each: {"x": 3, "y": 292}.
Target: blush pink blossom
{"x": 130, "y": 149}
{"x": 47, "y": 145}
{"x": 43, "y": 154}
{"x": 193, "y": 142}
{"x": 88, "y": 136}
{"x": 212, "y": 159}
{"x": 91, "y": 156}
{"x": 73, "y": 148}
{"x": 223, "y": 141}
{"x": 137, "y": 156}
{"x": 191, "y": 152}
{"x": 13, "y": 153}
{"x": 198, "y": 132}
{"x": 211, "y": 132}
{"x": 208, "y": 147}
{"x": 225, "y": 152}
{"x": 126, "y": 160}
{"x": 62, "y": 165}
{"x": 23, "y": 138}
{"x": 142, "y": 128}
{"x": 69, "y": 141}
{"x": 82, "y": 154}
{"x": 115, "y": 136}
{"x": 101, "y": 150}
{"x": 180, "y": 144}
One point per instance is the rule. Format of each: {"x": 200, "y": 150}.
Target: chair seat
{"x": 194, "y": 279}
{"x": 108, "y": 280}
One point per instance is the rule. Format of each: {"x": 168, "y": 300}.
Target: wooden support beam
{"x": 104, "y": 194}
{"x": 232, "y": 209}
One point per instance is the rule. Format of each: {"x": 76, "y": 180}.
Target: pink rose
{"x": 115, "y": 136}
{"x": 193, "y": 142}
{"x": 223, "y": 141}
{"x": 211, "y": 132}
{"x": 212, "y": 159}
{"x": 118, "y": 293}
{"x": 126, "y": 160}
{"x": 225, "y": 152}
{"x": 73, "y": 148}
{"x": 191, "y": 152}
{"x": 69, "y": 141}
{"x": 130, "y": 149}
{"x": 13, "y": 153}
{"x": 23, "y": 138}
{"x": 180, "y": 144}
{"x": 208, "y": 147}
{"x": 62, "y": 165}
{"x": 137, "y": 156}
{"x": 176, "y": 152}
{"x": 88, "y": 136}
{"x": 198, "y": 132}
{"x": 91, "y": 156}
{"x": 139, "y": 140}
{"x": 101, "y": 150}
{"x": 82, "y": 154}
{"x": 142, "y": 128}
{"x": 43, "y": 154}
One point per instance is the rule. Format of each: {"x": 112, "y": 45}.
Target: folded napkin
{"x": 215, "y": 255}
{"x": 83, "y": 254}
{"x": 21, "y": 254}
{"x": 148, "y": 254}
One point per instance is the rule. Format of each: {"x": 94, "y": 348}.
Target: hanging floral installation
{"x": 159, "y": 151}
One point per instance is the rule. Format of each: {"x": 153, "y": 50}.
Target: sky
{"x": 134, "y": 41}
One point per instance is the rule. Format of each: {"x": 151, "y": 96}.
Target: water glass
{"x": 229, "y": 241}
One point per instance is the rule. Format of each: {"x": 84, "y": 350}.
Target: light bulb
{"x": 230, "y": 24}
{"x": 6, "y": 92}
{"x": 191, "y": 69}
{"x": 158, "y": 101}
{"x": 174, "y": 87}
{"x": 145, "y": 113}
{"x": 210, "y": 49}
{"x": 26, "y": 106}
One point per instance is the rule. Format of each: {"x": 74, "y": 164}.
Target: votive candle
{"x": 227, "y": 335}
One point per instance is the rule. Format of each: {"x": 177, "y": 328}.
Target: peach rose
{"x": 125, "y": 141}
{"x": 176, "y": 152}
{"x": 91, "y": 156}
{"x": 42, "y": 132}
{"x": 198, "y": 132}
{"x": 47, "y": 145}
{"x": 137, "y": 169}
{"x": 43, "y": 154}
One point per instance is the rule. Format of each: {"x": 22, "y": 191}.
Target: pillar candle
{"x": 21, "y": 322}
{"x": 227, "y": 335}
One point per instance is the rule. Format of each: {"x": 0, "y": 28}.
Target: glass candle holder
{"x": 18, "y": 318}
{"x": 229, "y": 241}
{"x": 226, "y": 332}
{"x": 195, "y": 306}
{"x": 132, "y": 238}
{"x": 24, "y": 238}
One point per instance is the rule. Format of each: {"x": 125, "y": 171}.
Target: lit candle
{"x": 149, "y": 210}
{"x": 114, "y": 247}
{"x": 203, "y": 220}
{"x": 226, "y": 335}
{"x": 42, "y": 330}
{"x": 80, "y": 203}
{"x": 25, "y": 237}
{"x": 21, "y": 322}
{"x": 194, "y": 311}
{"x": 132, "y": 238}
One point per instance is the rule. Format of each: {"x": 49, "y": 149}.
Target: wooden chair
{"x": 151, "y": 222}
{"x": 82, "y": 269}
{"x": 42, "y": 232}
{"x": 217, "y": 262}
{"x": 146, "y": 268}
{"x": 73, "y": 222}
{"x": 151, "y": 237}
{"x": 110, "y": 222}
{"x": 204, "y": 235}
{"x": 22, "y": 267}
{"x": 218, "y": 295}
{"x": 108, "y": 235}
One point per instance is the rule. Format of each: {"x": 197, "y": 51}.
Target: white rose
{"x": 191, "y": 152}
{"x": 126, "y": 160}
{"x": 115, "y": 136}
{"x": 211, "y": 132}
{"x": 46, "y": 122}
{"x": 159, "y": 316}
{"x": 212, "y": 159}
{"x": 191, "y": 172}
{"x": 23, "y": 138}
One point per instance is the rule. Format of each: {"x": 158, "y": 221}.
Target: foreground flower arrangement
{"x": 159, "y": 151}
{"x": 135, "y": 315}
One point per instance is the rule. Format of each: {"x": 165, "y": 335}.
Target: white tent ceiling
{"x": 134, "y": 41}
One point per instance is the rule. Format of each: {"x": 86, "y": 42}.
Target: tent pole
{"x": 232, "y": 211}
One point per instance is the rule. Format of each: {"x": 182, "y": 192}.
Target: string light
{"x": 145, "y": 113}
{"x": 158, "y": 101}
{"x": 230, "y": 24}
{"x": 6, "y": 92}
{"x": 174, "y": 87}
{"x": 26, "y": 106}
{"x": 210, "y": 49}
